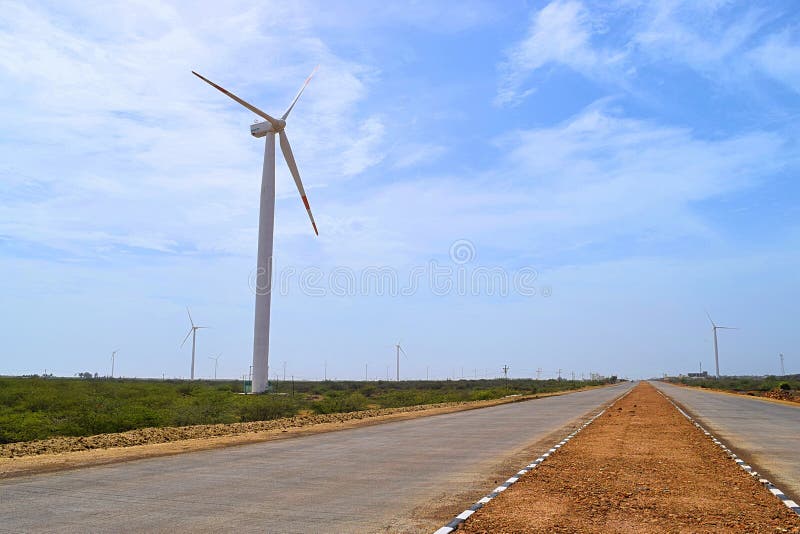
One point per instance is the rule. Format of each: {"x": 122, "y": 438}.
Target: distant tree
{"x": 87, "y": 375}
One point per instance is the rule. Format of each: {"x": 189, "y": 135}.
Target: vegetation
{"x": 744, "y": 383}
{"x": 42, "y": 407}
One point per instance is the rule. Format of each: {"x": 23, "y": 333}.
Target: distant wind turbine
{"x": 399, "y": 350}
{"x": 714, "y": 328}
{"x": 216, "y": 361}
{"x": 192, "y": 332}
{"x": 266, "y": 223}
{"x": 113, "y": 357}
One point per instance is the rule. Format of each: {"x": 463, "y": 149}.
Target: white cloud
{"x": 415, "y": 154}
{"x": 721, "y": 41}
{"x": 779, "y": 57}
{"x": 702, "y": 36}
{"x": 363, "y": 153}
{"x": 559, "y": 33}
{"x": 126, "y": 148}
{"x": 565, "y": 33}
{"x": 594, "y": 180}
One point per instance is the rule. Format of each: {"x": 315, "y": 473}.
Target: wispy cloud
{"x": 596, "y": 179}
{"x": 779, "y": 57}
{"x": 722, "y": 41}
{"x": 559, "y": 33}
{"x": 133, "y": 150}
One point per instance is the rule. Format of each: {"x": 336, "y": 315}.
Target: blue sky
{"x": 641, "y": 158}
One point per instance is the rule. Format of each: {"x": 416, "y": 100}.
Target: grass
{"x": 744, "y": 383}
{"x": 43, "y": 407}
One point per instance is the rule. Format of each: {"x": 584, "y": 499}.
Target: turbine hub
{"x": 260, "y": 129}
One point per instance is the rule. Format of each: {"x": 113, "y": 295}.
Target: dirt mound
{"x": 781, "y": 394}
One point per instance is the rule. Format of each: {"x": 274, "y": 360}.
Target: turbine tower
{"x": 399, "y": 350}
{"x": 266, "y": 222}
{"x": 192, "y": 332}
{"x": 114, "y": 356}
{"x": 714, "y": 328}
{"x": 216, "y": 361}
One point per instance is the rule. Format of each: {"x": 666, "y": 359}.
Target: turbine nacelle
{"x": 260, "y": 129}
{"x": 276, "y": 126}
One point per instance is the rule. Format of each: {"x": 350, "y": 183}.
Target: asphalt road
{"x": 764, "y": 433}
{"x": 369, "y": 479}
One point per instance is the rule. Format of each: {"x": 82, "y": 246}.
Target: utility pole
{"x": 505, "y": 373}
{"x": 366, "y": 372}
{"x": 284, "y": 372}
{"x": 573, "y": 376}
{"x": 293, "y": 386}
{"x": 539, "y": 373}
{"x": 559, "y": 374}
{"x": 427, "y": 372}
{"x": 783, "y": 371}
{"x": 325, "y": 371}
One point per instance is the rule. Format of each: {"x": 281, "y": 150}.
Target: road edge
{"x": 789, "y": 503}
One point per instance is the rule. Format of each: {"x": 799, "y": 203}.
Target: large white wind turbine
{"x": 192, "y": 332}
{"x": 266, "y": 222}
{"x": 714, "y": 327}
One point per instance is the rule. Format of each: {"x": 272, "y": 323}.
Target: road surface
{"x": 369, "y": 479}
{"x": 764, "y": 433}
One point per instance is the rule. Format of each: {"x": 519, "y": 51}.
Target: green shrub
{"x": 38, "y": 408}
{"x": 352, "y": 402}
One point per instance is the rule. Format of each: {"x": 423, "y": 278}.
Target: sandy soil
{"x": 641, "y": 467}
{"x": 17, "y": 459}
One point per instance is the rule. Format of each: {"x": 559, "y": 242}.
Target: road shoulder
{"x": 219, "y": 436}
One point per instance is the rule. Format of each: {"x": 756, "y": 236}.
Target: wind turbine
{"x": 399, "y": 350}
{"x": 216, "y": 361}
{"x": 113, "y": 356}
{"x": 714, "y": 327}
{"x": 192, "y": 332}
{"x": 266, "y": 223}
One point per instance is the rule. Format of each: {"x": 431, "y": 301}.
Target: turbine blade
{"x": 300, "y": 92}
{"x": 249, "y": 106}
{"x": 287, "y": 154}
{"x": 187, "y": 337}
{"x": 190, "y": 315}
{"x": 728, "y": 328}
{"x": 710, "y": 319}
